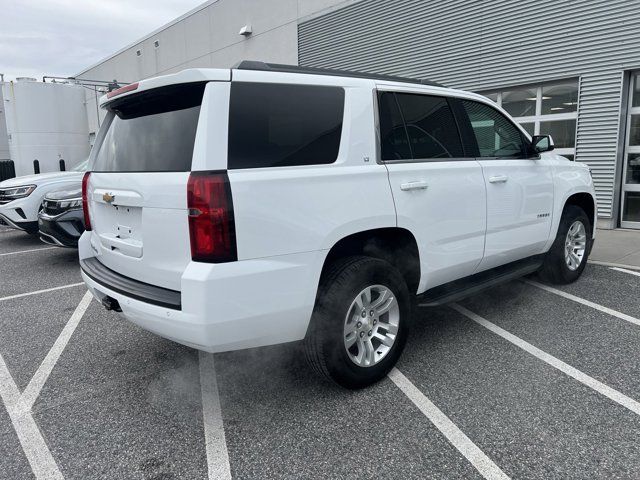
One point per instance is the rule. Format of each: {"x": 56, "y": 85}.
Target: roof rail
{"x": 276, "y": 67}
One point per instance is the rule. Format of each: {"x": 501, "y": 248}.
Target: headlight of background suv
{"x": 14, "y": 193}
{"x": 70, "y": 204}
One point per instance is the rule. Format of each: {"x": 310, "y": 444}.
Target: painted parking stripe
{"x": 565, "y": 368}
{"x": 456, "y": 437}
{"x": 35, "y": 448}
{"x": 610, "y": 264}
{"x": 19, "y": 295}
{"x": 607, "y": 310}
{"x": 624, "y": 270}
{"x": 27, "y": 251}
{"x": 31, "y": 392}
{"x": 218, "y": 466}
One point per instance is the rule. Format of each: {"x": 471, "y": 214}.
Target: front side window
{"x": 276, "y": 125}
{"x": 432, "y": 130}
{"x": 416, "y": 126}
{"x": 495, "y": 134}
{"x": 394, "y": 141}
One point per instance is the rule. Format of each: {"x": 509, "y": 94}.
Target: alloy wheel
{"x": 371, "y": 325}
{"x": 575, "y": 245}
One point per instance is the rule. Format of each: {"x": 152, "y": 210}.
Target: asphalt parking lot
{"x": 519, "y": 381}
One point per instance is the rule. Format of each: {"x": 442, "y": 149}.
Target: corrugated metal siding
{"x": 597, "y": 131}
{"x": 481, "y": 45}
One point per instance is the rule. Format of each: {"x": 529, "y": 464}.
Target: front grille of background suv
{"x": 52, "y": 208}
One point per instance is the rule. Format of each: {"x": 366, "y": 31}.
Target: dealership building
{"x": 568, "y": 68}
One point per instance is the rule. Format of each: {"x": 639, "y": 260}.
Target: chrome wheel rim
{"x": 371, "y": 325}
{"x": 575, "y": 245}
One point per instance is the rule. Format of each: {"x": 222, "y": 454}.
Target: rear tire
{"x": 567, "y": 257}
{"x": 360, "y": 321}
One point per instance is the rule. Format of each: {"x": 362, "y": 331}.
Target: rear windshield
{"x": 152, "y": 131}
{"x": 274, "y": 125}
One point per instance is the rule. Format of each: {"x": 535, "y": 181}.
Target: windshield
{"x": 153, "y": 131}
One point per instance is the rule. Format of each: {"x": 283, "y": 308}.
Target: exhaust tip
{"x": 111, "y": 304}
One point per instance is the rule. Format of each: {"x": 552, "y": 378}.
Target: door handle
{"x": 498, "y": 179}
{"x": 420, "y": 185}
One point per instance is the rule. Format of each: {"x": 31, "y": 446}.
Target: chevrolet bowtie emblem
{"x": 107, "y": 197}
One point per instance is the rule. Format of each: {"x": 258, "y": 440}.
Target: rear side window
{"x": 432, "y": 130}
{"x": 153, "y": 131}
{"x": 274, "y": 125}
{"x": 495, "y": 134}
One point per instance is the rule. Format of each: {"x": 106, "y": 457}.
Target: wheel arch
{"x": 586, "y": 202}
{"x": 395, "y": 245}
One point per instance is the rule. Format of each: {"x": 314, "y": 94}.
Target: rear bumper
{"x": 161, "y": 297}
{"x": 228, "y": 306}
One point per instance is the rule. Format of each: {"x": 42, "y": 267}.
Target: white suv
{"x": 228, "y": 209}
{"x": 21, "y": 197}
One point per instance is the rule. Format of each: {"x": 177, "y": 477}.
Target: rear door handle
{"x": 420, "y": 185}
{"x": 498, "y": 179}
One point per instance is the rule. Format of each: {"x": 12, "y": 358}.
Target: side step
{"x": 459, "y": 289}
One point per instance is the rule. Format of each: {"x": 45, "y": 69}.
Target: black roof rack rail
{"x": 276, "y": 67}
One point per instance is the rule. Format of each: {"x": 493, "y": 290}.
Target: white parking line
{"x": 27, "y": 251}
{"x": 456, "y": 437}
{"x": 609, "y": 264}
{"x": 624, "y": 270}
{"x": 607, "y": 310}
{"x": 215, "y": 443}
{"x": 583, "y": 378}
{"x": 35, "y": 448}
{"x": 30, "y": 394}
{"x": 19, "y": 295}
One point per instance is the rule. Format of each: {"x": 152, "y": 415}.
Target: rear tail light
{"x": 211, "y": 225}
{"x": 85, "y": 201}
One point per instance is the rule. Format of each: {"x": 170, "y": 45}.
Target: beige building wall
{"x": 208, "y": 36}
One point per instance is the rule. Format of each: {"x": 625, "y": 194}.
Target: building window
{"x": 631, "y": 168}
{"x": 549, "y": 109}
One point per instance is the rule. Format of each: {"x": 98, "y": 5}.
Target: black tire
{"x": 339, "y": 286}
{"x": 555, "y": 269}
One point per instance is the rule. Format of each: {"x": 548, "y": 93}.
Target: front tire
{"x": 360, "y": 321}
{"x": 567, "y": 257}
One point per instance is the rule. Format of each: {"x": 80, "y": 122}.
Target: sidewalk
{"x": 617, "y": 246}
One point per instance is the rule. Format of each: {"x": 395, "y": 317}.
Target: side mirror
{"x": 542, "y": 143}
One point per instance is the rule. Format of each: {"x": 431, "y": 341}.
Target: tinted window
{"x": 496, "y": 135}
{"x": 274, "y": 125}
{"x": 430, "y": 125}
{"x": 393, "y": 135}
{"x": 152, "y": 131}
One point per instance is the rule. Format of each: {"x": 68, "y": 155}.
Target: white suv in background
{"x": 21, "y": 197}
{"x": 228, "y": 209}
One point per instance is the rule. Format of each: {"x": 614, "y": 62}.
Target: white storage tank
{"x": 46, "y": 122}
{"x": 4, "y": 139}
